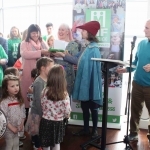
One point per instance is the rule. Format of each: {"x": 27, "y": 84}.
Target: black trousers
{"x": 88, "y": 106}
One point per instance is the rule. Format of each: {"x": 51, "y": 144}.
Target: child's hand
{"x": 67, "y": 116}
{"x": 30, "y": 90}
{"x": 21, "y": 127}
{"x": 14, "y": 129}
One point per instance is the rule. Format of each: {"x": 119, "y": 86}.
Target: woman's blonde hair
{"x": 24, "y": 34}
{"x": 69, "y": 31}
{"x": 49, "y": 37}
{"x": 11, "y": 35}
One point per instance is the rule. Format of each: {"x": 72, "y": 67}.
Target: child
{"x": 12, "y": 103}
{"x": 30, "y": 90}
{"x": 13, "y": 42}
{"x": 43, "y": 66}
{"x": 55, "y": 107}
{"x": 14, "y": 71}
{"x": 88, "y": 84}
{"x": 50, "y": 41}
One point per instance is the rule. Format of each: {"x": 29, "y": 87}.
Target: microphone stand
{"x": 127, "y": 109}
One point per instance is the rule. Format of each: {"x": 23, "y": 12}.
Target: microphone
{"x": 134, "y": 39}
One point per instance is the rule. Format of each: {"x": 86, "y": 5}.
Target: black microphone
{"x": 134, "y": 39}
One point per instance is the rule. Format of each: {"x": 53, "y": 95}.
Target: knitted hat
{"x": 34, "y": 28}
{"x": 92, "y": 27}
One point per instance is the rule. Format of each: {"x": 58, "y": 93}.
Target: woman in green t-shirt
{"x": 13, "y": 42}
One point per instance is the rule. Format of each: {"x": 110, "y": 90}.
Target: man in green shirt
{"x": 3, "y": 61}
{"x": 49, "y": 27}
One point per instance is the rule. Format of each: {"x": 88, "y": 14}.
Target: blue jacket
{"x": 142, "y": 58}
{"x": 88, "y": 84}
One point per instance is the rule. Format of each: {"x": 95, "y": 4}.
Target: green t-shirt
{"x": 2, "y": 56}
{"x": 12, "y": 51}
{"x": 13, "y": 46}
{"x": 44, "y": 38}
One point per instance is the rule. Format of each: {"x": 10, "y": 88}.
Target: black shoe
{"x": 94, "y": 134}
{"x": 81, "y": 133}
{"x": 133, "y": 137}
{"x": 148, "y": 136}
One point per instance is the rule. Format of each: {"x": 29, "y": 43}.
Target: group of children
{"x": 50, "y": 105}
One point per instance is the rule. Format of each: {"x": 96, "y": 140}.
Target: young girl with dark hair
{"x": 55, "y": 107}
{"x": 43, "y": 66}
{"x": 12, "y": 105}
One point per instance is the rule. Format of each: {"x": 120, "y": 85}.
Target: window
{"x": 20, "y": 17}
{"x": 57, "y": 15}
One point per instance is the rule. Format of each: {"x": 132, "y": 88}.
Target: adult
{"x": 64, "y": 34}
{"x": 32, "y": 48}
{"x": 49, "y": 27}
{"x": 140, "y": 84}
{"x": 4, "y": 44}
{"x": 13, "y": 42}
{"x": 88, "y": 84}
{"x": 3, "y": 61}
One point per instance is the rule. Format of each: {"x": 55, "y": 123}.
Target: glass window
{"x": 0, "y": 4}
{"x": 14, "y": 3}
{"x": 136, "y": 16}
{"x": 1, "y": 22}
{"x": 56, "y": 14}
{"x": 20, "y": 17}
{"x": 55, "y": 1}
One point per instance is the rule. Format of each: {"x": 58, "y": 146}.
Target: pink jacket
{"x": 29, "y": 57}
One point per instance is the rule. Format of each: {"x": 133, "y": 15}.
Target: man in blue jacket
{"x": 140, "y": 84}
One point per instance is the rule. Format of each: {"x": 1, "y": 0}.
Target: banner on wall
{"x": 113, "y": 109}
{"x": 111, "y": 15}
{"x": 103, "y": 16}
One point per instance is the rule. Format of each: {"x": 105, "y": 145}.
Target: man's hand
{"x": 147, "y": 68}
{"x": 121, "y": 70}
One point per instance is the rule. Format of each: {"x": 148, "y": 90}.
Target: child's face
{"x": 84, "y": 34}
{"x": 51, "y": 42}
{"x": 14, "y": 32}
{"x": 13, "y": 87}
{"x": 48, "y": 67}
{"x": 32, "y": 79}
